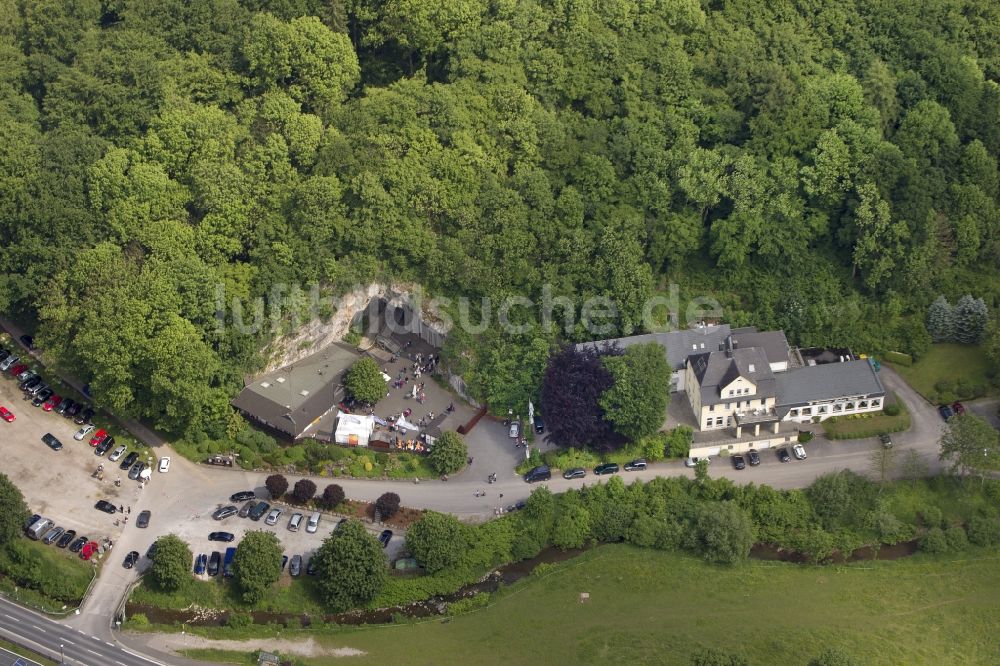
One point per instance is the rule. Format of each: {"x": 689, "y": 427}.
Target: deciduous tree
{"x": 277, "y": 485}
{"x": 387, "y": 505}
{"x": 449, "y": 453}
{"x": 171, "y": 563}
{"x": 970, "y": 444}
{"x": 304, "y": 490}
{"x": 257, "y": 564}
{"x": 437, "y": 541}
{"x": 364, "y": 381}
{"x": 350, "y": 567}
{"x": 333, "y": 495}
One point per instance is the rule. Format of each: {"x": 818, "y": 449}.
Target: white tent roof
{"x": 358, "y": 426}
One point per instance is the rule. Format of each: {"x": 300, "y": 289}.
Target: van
{"x": 227, "y": 562}
{"x": 540, "y": 473}
{"x": 296, "y": 520}
{"x": 38, "y": 529}
{"x": 313, "y": 523}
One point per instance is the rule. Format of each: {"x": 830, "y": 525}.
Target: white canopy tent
{"x": 354, "y": 429}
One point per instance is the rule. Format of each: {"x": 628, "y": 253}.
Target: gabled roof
{"x": 716, "y": 370}
{"x": 827, "y": 382}
{"x": 677, "y": 345}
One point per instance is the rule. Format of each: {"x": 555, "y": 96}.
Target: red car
{"x": 6, "y": 415}
{"x": 958, "y": 408}
{"x": 17, "y": 369}
{"x": 88, "y": 550}
{"x": 99, "y": 437}
{"x": 51, "y": 403}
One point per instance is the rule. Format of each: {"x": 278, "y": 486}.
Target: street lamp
{"x": 62, "y": 654}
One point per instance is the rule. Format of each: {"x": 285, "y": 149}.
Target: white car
{"x": 272, "y": 518}
{"x": 83, "y": 432}
{"x": 515, "y": 430}
{"x": 164, "y": 464}
{"x": 313, "y": 524}
{"x": 118, "y": 453}
{"x": 693, "y": 462}
{"x": 799, "y": 452}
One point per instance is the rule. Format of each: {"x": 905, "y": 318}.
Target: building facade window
{"x": 876, "y": 403}
{"x": 718, "y": 421}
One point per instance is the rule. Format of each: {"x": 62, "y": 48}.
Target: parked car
{"x": 53, "y": 402}
{"x": 129, "y": 459}
{"x": 227, "y": 562}
{"x": 84, "y": 416}
{"x": 246, "y": 508}
{"x": 224, "y": 461}
{"x": 575, "y": 473}
{"x": 143, "y": 519}
{"x": 42, "y": 397}
{"x": 52, "y": 535}
{"x": 78, "y": 544}
{"x": 27, "y": 341}
{"x": 958, "y": 408}
{"x": 313, "y": 523}
{"x": 214, "y": 563}
{"x": 52, "y": 442}
{"x": 61, "y": 407}
{"x": 88, "y": 550}
{"x": 221, "y": 536}
{"x": 36, "y": 389}
{"x": 30, "y": 383}
{"x": 104, "y": 446}
{"x": 799, "y": 451}
{"x": 539, "y": 425}
{"x": 32, "y": 520}
{"x": 517, "y": 506}
{"x": 739, "y": 462}
{"x": 783, "y": 455}
{"x": 164, "y": 464}
{"x": 694, "y": 460}
{"x": 106, "y": 507}
{"x": 25, "y": 374}
{"x": 131, "y": 559}
{"x": 151, "y": 551}
{"x": 540, "y": 473}
{"x": 38, "y": 528}
{"x": 272, "y": 518}
{"x": 311, "y": 567}
{"x": 118, "y": 453}
{"x": 636, "y": 465}
{"x": 200, "y": 563}
{"x": 946, "y": 412}
{"x": 98, "y": 437}
{"x": 753, "y": 457}
{"x": 242, "y": 496}
{"x": 606, "y": 468}
{"x": 66, "y": 539}
{"x": 295, "y": 568}
{"x": 73, "y": 409}
{"x": 136, "y": 470}
{"x": 385, "y": 538}
{"x": 258, "y": 511}
{"x": 515, "y": 430}
{"x": 16, "y": 369}
{"x": 82, "y": 433}
{"x": 7, "y": 415}
{"x": 294, "y": 522}
{"x": 9, "y": 361}
{"x": 284, "y": 561}
{"x": 225, "y": 512}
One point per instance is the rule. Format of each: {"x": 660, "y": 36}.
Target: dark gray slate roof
{"x": 715, "y": 370}
{"x": 678, "y": 345}
{"x": 291, "y": 398}
{"x": 774, "y": 343}
{"x": 827, "y": 382}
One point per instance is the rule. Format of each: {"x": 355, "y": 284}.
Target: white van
{"x": 38, "y": 528}
{"x": 313, "y": 523}
{"x": 296, "y": 520}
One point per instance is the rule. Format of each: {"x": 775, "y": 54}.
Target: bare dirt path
{"x": 304, "y": 647}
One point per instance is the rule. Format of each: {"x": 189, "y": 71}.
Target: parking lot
{"x": 58, "y": 484}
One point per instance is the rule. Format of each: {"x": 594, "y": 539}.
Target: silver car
{"x": 272, "y": 518}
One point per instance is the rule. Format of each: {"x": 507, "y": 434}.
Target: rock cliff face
{"x": 349, "y": 310}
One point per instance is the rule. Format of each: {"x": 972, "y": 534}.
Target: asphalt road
{"x": 56, "y": 640}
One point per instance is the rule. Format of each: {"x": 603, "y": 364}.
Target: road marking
{"x": 92, "y": 652}
{"x": 68, "y": 641}
{"x": 37, "y": 627}
{"x": 121, "y": 662}
{"x": 10, "y": 616}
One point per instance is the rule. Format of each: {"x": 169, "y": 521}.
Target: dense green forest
{"x": 825, "y": 166}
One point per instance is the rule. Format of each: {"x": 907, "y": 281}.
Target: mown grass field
{"x": 947, "y": 362}
{"x": 651, "y": 607}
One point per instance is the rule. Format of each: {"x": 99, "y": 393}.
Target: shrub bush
{"x": 478, "y": 600}
{"x": 934, "y": 541}
{"x": 983, "y": 530}
{"x": 238, "y": 620}
{"x": 891, "y": 410}
{"x": 899, "y": 358}
{"x": 387, "y": 505}
{"x": 944, "y": 386}
{"x": 138, "y": 621}
{"x": 333, "y": 495}
{"x": 805, "y": 437}
{"x": 957, "y": 539}
{"x": 930, "y": 516}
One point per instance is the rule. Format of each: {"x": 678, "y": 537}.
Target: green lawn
{"x": 59, "y": 577}
{"x": 947, "y": 362}
{"x": 288, "y": 595}
{"x": 652, "y": 607}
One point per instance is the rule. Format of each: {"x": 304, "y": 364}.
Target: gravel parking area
{"x": 58, "y": 484}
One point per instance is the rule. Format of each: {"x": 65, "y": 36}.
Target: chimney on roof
{"x": 729, "y": 346}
